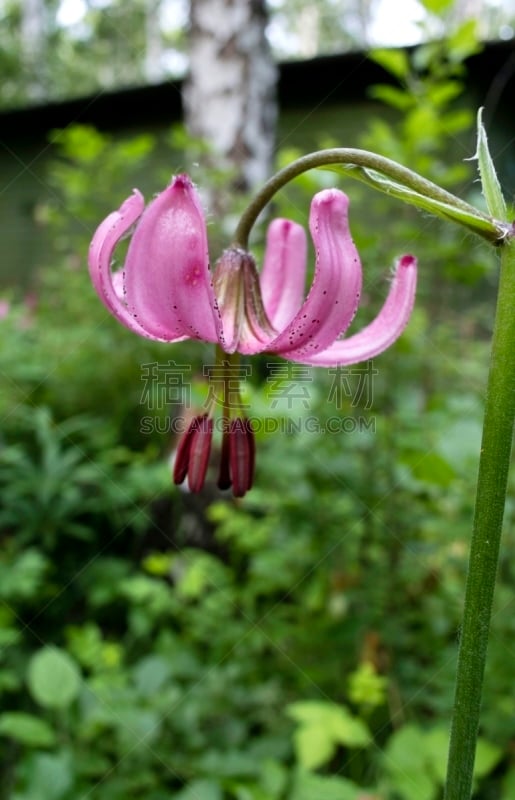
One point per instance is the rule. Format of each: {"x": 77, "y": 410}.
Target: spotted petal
{"x": 382, "y": 331}
{"x": 106, "y": 237}
{"x": 168, "y": 285}
{"x": 334, "y": 295}
{"x": 283, "y": 276}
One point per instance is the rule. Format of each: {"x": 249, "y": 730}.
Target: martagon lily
{"x": 166, "y": 292}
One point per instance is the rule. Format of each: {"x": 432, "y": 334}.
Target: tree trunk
{"x": 229, "y": 96}
{"x": 153, "y": 42}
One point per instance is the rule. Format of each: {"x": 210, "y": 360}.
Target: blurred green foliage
{"x": 296, "y": 645}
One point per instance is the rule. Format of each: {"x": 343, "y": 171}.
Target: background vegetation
{"x": 55, "y": 49}
{"x": 298, "y": 644}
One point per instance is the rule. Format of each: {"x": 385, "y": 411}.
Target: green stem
{"x": 383, "y": 174}
{"x": 227, "y": 385}
{"x": 490, "y": 500}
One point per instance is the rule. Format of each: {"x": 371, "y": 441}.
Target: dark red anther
{"x": 242, "y": 450}
{"x": 200, "y": 450}
{"x": 192, "y": 457}
{"x": 236, "y": 459}
{"x": 182, "y": 456}
{"x": 224, "y": 475}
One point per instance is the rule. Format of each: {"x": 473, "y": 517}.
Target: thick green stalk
{"x": 382, "y": 174}
{"x": 486, "y": 536}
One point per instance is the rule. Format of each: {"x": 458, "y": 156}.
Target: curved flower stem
{"x": 383, "y": 174}
{"x": 490, "y": 500}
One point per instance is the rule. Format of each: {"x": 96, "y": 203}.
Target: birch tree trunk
{"x": 229, "y": 96}
{"x": 153, "y": 42}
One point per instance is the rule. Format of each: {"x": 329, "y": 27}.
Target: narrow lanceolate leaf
{"x": 463, "y": 214}
{"x": 489, "y": 180}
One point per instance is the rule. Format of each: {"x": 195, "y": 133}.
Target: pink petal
{"x": 382, "y": 332}
{"x": 104, "y": 241}
{"x": 118, "y": 281}
{"x": 334, "y": 296}
{"x": 168, "y": 285}
{"x": 283, "y": 275}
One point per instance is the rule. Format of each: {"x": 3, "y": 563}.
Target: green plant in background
{"x": 195, "y": 645}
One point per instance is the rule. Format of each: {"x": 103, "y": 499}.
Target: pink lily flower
{"x": 167, "y": 292}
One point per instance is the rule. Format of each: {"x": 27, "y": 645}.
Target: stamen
{"x": 224, "y": 475}
{"x": 238, "y": 292}
{"x": 242, "y": 455}
{"x": 193, "y": 451}
{"x": 182, "y": 456}
{"x": 200, "y": 450}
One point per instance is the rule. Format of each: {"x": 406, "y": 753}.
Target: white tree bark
{"x": 229, "y": 97}
{"x": 153, "y": 42}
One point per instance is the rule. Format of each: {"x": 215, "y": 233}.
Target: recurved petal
{"x": 283, "y": 276}
{"x": 118, "y": 281}
{"x": 334, "y": 295}
{"x": 104, "y": 241}
{"x": 382, "y": 331}
{"x": 168, "y": 286}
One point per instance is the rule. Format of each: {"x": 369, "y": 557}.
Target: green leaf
{"x": 394, "y": 61}
{"x": 487, "y": 757}
{"x": 51, "y": 775}
{"x": 432, "y": 468}
{"x": 205, "y": 789}
{"x": 308, "y": 787}
{"x": 406, "y": 765}
{"x": 508, "y": 785}
{"x": 391, "y": 96}
{"x": 137, "y": 728}
{"x": 463, "y": 42}
{"x": 314, "y": 746}
{"x": 417, "y": 759}
{"x": 274, "y": 777}
{"x": 489, "y": 180}
{"x": 467, "y": 216}
{"x": 435, "y": 747}
{"x": 22, "y": 577}
{"x": 53, "y": 678}
{"x": 366, "y": 687}
{"x": 151, "y": 674}
{"x": 437, "y": 6}
{"x": 460, "y": 443}
{"x": 324, "y": 726}
{"x": 228, "y": 763}
{"x": 26, "y": 729}
{"x": 348, "y": 730}
{"x": 442, "y": 93}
